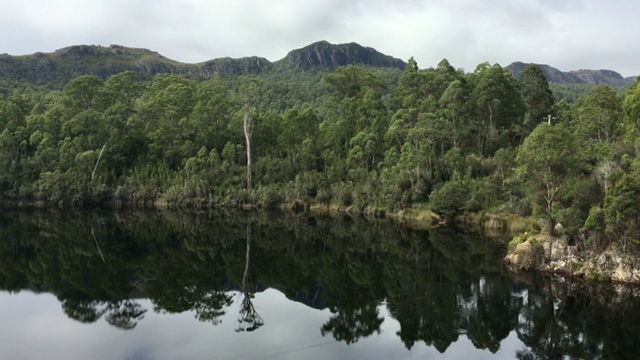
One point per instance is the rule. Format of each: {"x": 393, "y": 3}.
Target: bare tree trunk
{"x": 248, "y": 319}
{"x": 605, "y": 170}
{"x": 93, "y": 173}
{"x": 93, "y": 233}
{"x": 247, "y": 258}
{"x": 248, "y": 131}
{"x": 550, "y": 198}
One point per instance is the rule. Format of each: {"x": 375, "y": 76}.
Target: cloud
{"x": 570, "y": 34}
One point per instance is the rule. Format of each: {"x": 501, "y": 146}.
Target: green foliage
{"x": 622, "y": 210}
{"x": 537, "y": 97}
{"x": 517, "y": 240}
{"x": 595, "y": 221}
{"x": 343, "y": 194}
{"x": 268, "y": 197}
{"x": 498, "y": 105}
{"x": 631, "y": 108}
{"x": 451, "y": 199}
{"x": 351, "y": 81}
{"x": 547, "y": 160}
{"x": 570, "y": 92}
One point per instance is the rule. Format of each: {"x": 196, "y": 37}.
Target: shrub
{"x": 518, "y": 240}
{"x": 269, "y": 198}
{"x": 323, "y": 196}
{"x": 342, "y": 194}
{"x": 451, "y": 199}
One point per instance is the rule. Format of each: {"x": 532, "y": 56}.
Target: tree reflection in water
{"x": 123, "y": 314}
{"x": 439, "y": 285}
{"x": 248, "y": 319}
{"x": 349, "y": 325}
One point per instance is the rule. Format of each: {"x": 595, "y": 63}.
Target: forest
{"x": 366, "y": 139}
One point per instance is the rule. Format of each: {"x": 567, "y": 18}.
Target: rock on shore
{"x": 555, "y": 255}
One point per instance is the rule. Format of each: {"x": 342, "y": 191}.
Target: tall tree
{"x": 598, "y": 123}
{"x": 247, "y": 127}
{"x": 546, "y": 160}
{"x": 537, "y": 97}
{"x": 499, "y": 107}
{"x": 82, "y": 92}
{"x": 454, "y": 109}
{"x": 631, "y": 108}
{"x": 250, "y": 91}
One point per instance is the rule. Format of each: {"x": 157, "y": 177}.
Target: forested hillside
{"x": 357, "y": 137}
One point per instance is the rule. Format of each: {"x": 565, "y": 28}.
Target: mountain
{"x": 594, "y": 77}
{"x": 57, "y": 68}
{"x": 324, "y": 54}
{"x": 228, "y": 66}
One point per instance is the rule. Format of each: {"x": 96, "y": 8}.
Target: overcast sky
{"x": 567, "y": 34}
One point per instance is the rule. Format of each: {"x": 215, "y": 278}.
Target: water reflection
{"x": 440, "y": 287}
{"x": 560, "y": 318}
{"x": 248, "y": 319}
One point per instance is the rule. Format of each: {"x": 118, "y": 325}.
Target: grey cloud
{"x": 569, "y": 34}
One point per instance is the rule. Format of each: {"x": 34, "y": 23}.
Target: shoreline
{"x": 556, "y": 255}
{"x": 415, "y": 217}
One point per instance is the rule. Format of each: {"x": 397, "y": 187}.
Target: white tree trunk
{"x": 93, "y": 172}
{"x": 248, "y": 130}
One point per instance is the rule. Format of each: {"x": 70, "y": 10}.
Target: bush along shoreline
{"x": 261, "y": 200}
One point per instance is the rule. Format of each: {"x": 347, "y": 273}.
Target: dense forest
{"x": 362, "y": 138}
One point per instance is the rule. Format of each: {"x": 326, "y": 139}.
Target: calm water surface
{"x": 167, "y": 285}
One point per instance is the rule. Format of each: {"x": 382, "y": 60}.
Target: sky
{"x": 566, "y": 34}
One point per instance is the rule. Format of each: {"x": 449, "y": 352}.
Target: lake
{"x": 182, "y": 285}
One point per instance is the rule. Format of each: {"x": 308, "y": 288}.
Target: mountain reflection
{"x": 438, "y": 285}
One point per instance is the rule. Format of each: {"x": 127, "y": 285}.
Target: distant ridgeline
{"x": 596, "y": 77}
{"x": 573, "y": 85}
{"x": 53, "y": 70}
{"x": 57, "y": 68}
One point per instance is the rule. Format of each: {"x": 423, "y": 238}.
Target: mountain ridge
{"x": 582, "y": 76}
{"x": 325, "y": 54}
{"x": 56, "y": 68}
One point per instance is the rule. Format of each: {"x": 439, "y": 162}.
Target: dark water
{"x": 188, "y": 286}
